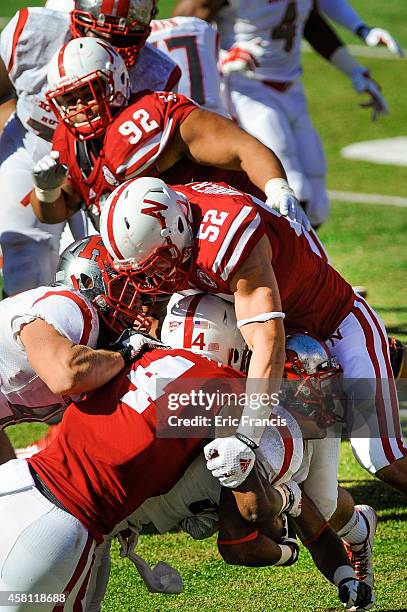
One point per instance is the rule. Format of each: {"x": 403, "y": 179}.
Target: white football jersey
{"x": 193, "y": 44}
{"x": 278, "y": 23}
{"x": 278, "y": 458}
{"x": 28, "y": 43}
{"x": 23, "y": 395}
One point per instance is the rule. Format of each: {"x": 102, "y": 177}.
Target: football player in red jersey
{"x": 213, "y": 238}
{"x": 106, "y": 137}
{"x": 106, "y": 460}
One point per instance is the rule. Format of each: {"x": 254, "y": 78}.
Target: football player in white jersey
{"x": 262, "y": 78}
{"x": 206, "y": 325}
{"x": 49, "y": 336}
{"x": 30, "y": 248}
{"x": 194, "y": 45}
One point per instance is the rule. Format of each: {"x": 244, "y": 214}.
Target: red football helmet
{"x": 86, "y": 266}
{"x": 312, "y": 387}
{"x": 126, "y": 23}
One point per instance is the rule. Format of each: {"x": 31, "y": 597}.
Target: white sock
{"x": 355, "y": 531}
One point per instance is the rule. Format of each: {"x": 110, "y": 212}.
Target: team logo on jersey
{"x": 173, "y": 325}
{"x": 109, "y": 177}
{"x": 205, "y": 278}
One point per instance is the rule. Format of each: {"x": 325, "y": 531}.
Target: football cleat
{"x": 39, "y": 445}
{"x": 361, "y": 555}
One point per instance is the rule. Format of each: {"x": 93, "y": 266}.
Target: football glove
{"x": 363, "y": 83}
{"x": 282, "y": 198}
{"x": 48, "y": 176}
{"x": 230, "y": 460}
{"x": 162, "y": 578}
{"x": 241, "y": 57}
{"x": 292, "y": 498}
{"x": 374, "y": 37}
{"x": 355, "y": 595}
{"x": 130, "y": 343}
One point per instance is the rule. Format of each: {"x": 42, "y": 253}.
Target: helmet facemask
{"x": 127, "y": 34}
{"x": 313, "y": 396}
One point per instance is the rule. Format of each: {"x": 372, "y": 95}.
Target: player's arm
{"x": 53, "y": 198}
{"x": 67, "y": 368}
{"x": 7, "y": 96}
{"x": 204, "y": 9}
{"x": 325, "y": 41}
{"x": 6, "y": 449}
{"x": 210, "y": 139}
{"x": 330, "y": 557}
{"x": 260, "y": 319}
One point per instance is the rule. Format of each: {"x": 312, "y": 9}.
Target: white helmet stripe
{"x": 189, "y": 319}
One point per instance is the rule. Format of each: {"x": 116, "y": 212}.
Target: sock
{"x": 355, "y": 531}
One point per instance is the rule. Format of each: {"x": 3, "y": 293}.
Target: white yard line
{"x": 368, "y": 198}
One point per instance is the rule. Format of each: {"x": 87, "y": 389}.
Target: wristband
{"x": 261, "y": 318}
{"x": 246, "y": 441}
{"x": 362, "y": 31}
{"x": 47, "y": 195}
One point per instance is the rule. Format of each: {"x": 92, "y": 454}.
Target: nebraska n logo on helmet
{"x": 146, "y": 228}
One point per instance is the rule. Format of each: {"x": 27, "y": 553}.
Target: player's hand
{"x": 282, "y": 198}
{"x": 355, "y": 595}
{"x": 374, "y": 37}
{"x": 242, "y": 57}
{"x": 230, "y": 460}
{"x": 49, "y": 173}
{"x": 131, "y": 342}
{"x": 363, "y": 83}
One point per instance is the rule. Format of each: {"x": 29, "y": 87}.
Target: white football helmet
{"x": 146, "y": 227}
{"x": 126, "y": 23}
{"x": 88, "y": 83}
{"x": 204, "y": 324}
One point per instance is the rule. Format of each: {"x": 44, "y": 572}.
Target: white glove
{"x": 130, "y": 343}
{"x": 242, "y": 57}
{"x": 48, "y": 175}
{"x": 161, "y": 579}
{"x": 374, "y": 37}
{"x": 229, "y": 460}
{"x": 363, "y": 83}
{"x": 282, "y": 198}
{"x": 355, "y": 595}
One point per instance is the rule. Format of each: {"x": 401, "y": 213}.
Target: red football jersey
{"x": 107, "y": 459}
{"x": 131, "y": 147}
{"x": 228, "y": 224}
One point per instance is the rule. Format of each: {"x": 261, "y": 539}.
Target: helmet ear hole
{"x": 126, "y": 223}
{"x": 86, "y": 281}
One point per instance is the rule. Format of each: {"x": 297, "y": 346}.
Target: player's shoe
{"x": 361, "y": 555}
{"x": 39, "y": 445}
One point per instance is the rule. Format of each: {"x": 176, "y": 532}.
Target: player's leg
{"x": 6, "y": 449}
{"x": 310, "y": 153}
{"x": 30, "y": 248}
{"x": 262, "y": 111}
{"x": 321, "y": 484}
{"x": 43, "y": 550}
{"x": 361, "y": 347}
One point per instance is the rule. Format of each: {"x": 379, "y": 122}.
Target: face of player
{"x": 81, "y": 105}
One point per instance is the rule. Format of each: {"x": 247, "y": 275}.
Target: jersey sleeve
{"x": 9, "y": 38}
{"x": 143, "y": 130}
{"x": 68, "y": 312}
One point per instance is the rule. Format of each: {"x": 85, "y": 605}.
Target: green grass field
{"x": 368, "y": 245}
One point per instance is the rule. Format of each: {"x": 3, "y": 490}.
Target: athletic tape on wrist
{"x": 47, "y": 195}
{"x": 261, "y": 318}
{"x": 246, "y": 440}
